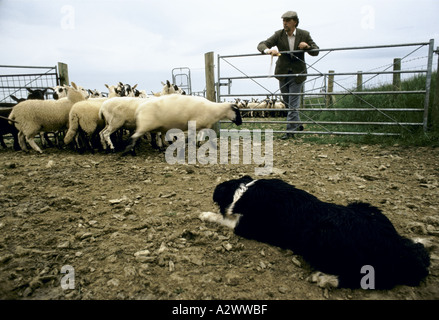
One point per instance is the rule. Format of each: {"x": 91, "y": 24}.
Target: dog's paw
{"x": 209, "y": 216}
{"x": 324, "y": 280}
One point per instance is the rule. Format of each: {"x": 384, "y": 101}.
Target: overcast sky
{"x": 142, "y": 41}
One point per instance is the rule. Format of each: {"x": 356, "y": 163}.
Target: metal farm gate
{"x": 15, "y": 80}
{"x": 374, "y": 95}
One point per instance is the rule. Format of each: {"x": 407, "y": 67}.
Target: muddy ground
{"x": 129, "y": 226}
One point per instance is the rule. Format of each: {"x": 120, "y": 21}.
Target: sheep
{"x": 120, "y": 113}
{"x": 168, "y": 88}
{"x": 174, "y": 111}
{"x": 60, "y": 92}
{"x": 113, "y": 91}
{"x": 95, "y": 94}
{"x": 38, "y": 95}
{"x": 279, "y": 105}
{"x": 140, "y": 94}
{"x": 117, "y": 112}
{"x": 255, "y": 104}
{"x": 33, "y": 116}
{"x": 84, "y": 117}
{"x": 128, "y": 91}
{"x": 18, "y": 100}
{"x": 6, "y": 128}
{"x": 242, "y": 104}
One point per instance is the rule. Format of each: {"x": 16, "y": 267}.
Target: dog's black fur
{"x": 332, "y": 238}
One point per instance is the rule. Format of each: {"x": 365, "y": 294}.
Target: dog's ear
{"x": 246, "y": 179}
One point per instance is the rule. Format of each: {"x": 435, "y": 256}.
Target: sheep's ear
{"x": 168, "y": 83}
{"x": 107, "y": 86}
{"x": 30, "y": 90}
{"x": 134, "y": 86}
{"x": 74, "y": 85}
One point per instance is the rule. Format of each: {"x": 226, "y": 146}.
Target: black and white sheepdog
{"x": 333, "y": 239}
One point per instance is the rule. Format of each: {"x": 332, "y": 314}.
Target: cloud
{"x": 145, "y": 40}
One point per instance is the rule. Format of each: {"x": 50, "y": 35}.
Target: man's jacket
{"x": 290, "y": 63}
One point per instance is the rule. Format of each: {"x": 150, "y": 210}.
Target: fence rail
{"x": 384, "y": 116}
{"x": 20, "y": 78}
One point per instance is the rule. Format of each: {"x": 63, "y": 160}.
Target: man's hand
{"x": 304, "y": 46}
{"x": 273, "y": 52}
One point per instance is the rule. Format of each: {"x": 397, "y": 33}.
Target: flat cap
{"x": 289, "y": 15}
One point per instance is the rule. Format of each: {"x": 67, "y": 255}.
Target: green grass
{"x": 407, "y": 134}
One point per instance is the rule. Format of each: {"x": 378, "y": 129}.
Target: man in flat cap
{"x": 290, "y": 38}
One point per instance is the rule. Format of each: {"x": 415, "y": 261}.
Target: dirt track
{"x": 129, "y": 226}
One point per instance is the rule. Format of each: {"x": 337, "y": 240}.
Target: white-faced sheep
{"x": 84, "y": 118}
{"x": 174, "y": 111}
{"x": 32, "y": 95}
{"x": 168, "y": 88}
{"x": 121, "y": 113}
{"x": 62, "y": 91}
{"x": 279, "y": 106}
{"x": 117, "y": 113}
{"x": 255, "y": 104}
{"x": 33, "y": 116}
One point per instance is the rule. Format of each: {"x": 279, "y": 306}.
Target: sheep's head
{"x": 179, "y": 90}
{"x": 60, "y": 92}
{"x": 119, "y": 89}
{"x": 236, "y": 115}
{"x": 112, "y": 91}
{"x": 94, "y": 93}
{"x": 167, "y": 88}
{"x": 77, "y": 93}
{"x": 36, "y": 94}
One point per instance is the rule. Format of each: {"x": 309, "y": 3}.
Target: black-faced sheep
{"x": 7, "y": 128}
{"x": 34, "y": 116}
{"x": 38, "y": 94}
{"x": 174, "y": 111}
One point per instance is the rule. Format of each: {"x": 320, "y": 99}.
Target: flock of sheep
{"x": 93, "y": 121}
{"x": 260, "y": 108}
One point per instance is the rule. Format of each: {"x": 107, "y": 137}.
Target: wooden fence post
{"x": 360, "y": 81}
{"x": 397, "y": 76}
{"x": 435, "y": 105}
{"x": 330, "y": 88}
{"x": 210, "y": 76}
{"x": 63, "y": 74}
{"x": 209, "y": 69}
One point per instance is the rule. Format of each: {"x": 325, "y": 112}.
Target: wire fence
{"x": 346, "y": 102}
{"x": 16, "y": 80}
